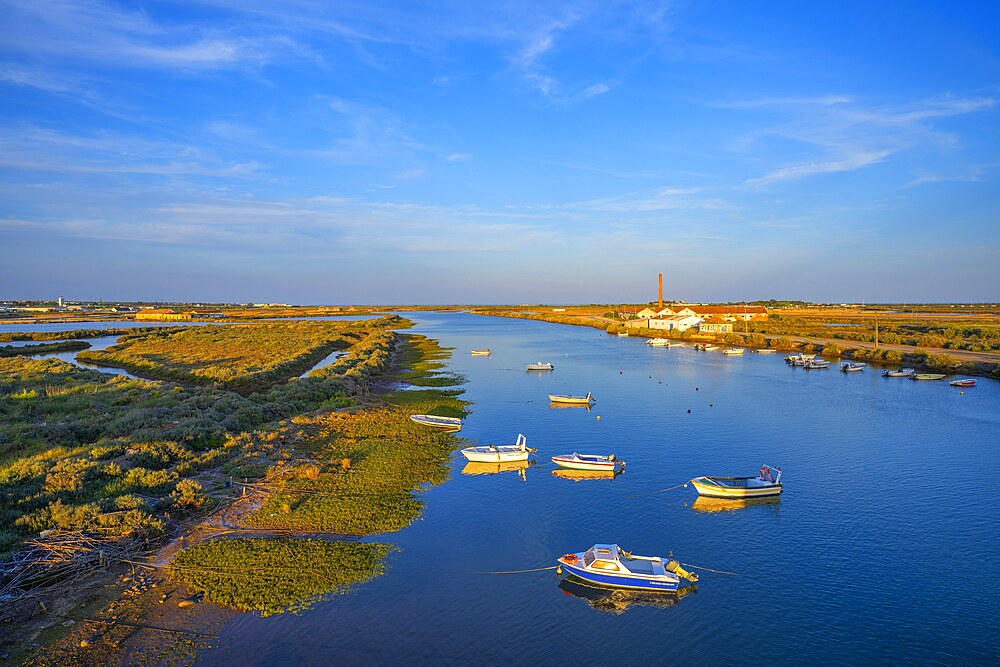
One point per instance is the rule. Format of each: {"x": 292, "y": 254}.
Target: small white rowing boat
{"x": 899, "y": 373}
{"x": 927, "y": 376}
{"x": 766, "y": 350}
{"x": 710, "y": 348}
{"x": 481, "y": 353}
{"x": 575, "y": 400}
{"x": 658, "y": 342}
{"x": 624, "y": 334}
{"x": 595, "y": 462}
{"x": 965, "y": 382}
{"x": 445, "y": 423}
{"x": 733, "y": 351}
{"x": 539, "y": 366}
{"x": 499, "y": 453}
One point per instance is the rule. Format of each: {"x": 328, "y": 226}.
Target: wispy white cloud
{"x": 851, "y": 163}
{"x": 838, "y": 133}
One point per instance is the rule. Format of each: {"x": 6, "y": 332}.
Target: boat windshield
{"x": 588, "y": 558}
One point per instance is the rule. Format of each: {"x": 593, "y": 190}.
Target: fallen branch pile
{"x": 63, "y": 556}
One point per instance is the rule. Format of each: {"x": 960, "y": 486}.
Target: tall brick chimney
{"x": 661, "y": 291}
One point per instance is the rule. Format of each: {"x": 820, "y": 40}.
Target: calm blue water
{"x": 882, "y": 550}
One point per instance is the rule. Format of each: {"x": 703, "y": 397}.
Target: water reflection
{"x": 580, "y": 475}
{"x": 617, "y": 601}
{"x": 558, "y": 406}
{"x": 478, "y": 468}
{"x": 715, "y": 505}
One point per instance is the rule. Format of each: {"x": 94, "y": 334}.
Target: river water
{"x": 882, "y": 550}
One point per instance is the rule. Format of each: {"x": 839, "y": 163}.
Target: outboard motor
{"x": 675, "y": 567}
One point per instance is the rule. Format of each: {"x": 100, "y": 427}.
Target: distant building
{"x": 715, "y": 326}
{"x": 646, "y": 313}
{"x": 61, "y": 303}
{"x": 558, "y": 310}
{"x": 161, "y": 314}
{"x": 675, "y": 323}
{"x": 729, "y": 313}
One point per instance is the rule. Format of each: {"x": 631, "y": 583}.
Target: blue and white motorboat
{"x": 611, "y": 566}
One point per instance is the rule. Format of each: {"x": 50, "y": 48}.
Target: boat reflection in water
{"x": 474, "y": 468}
{"x": 617, "y": 601}
{"x": 554, "y": 405}
{"x": 713, "y": 505}
{"x": 580, "y": 475}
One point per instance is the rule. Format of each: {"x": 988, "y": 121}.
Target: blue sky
{"x": 503, "y": 152}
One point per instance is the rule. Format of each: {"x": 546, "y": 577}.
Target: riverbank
{"x": 938, "y": 359}
{"x": 97, "y": 468}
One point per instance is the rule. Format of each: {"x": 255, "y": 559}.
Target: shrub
{"x": 188, "y": 495}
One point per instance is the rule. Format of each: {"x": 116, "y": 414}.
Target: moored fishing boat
{"x": 576, "y": 461}
{"x": 799, "y": 359}
{"x": 444, "y": 423}
{"x": 767, "y": 483}
{"x": 766, "y": 350}
{"x": 499, "y": 453}
{"x": 658, "y": 342}
{"x": 852, "y": 366}
{"x": 710, "y": 348}
{"x": 733, "y": 351}
{"x": 611, "y": 566}
{"x": 539, "y": 366}
{"x": 898, "y": 373}
{"x": 481, "y": 353}
{"x": 572, "y": 400}
{"x": 623, "y": 334}
{"x": 816, "y": 364}
{"x": 927, "y": 376}
{"x": 964, "y": 382}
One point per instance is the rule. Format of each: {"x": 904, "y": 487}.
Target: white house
{"x": 675, "y": 323}
{"x": 715, "y": 327}
{"x": 646, "y": 313}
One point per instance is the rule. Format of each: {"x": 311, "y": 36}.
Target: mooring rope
{"x": 708, "y": 569}
{"x": 537, "y": 569}
{"x": 651, "y": 493}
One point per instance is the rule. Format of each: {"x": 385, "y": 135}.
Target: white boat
{"x": 816, "y": 364}
{"x": 445, "y": 423}
{"x": 733, "y": 351}
{"x": 853, "y": 366}
{"x": 927, "y": 376}
{"x": 710, "y": 348}
{"x": 766, "y": 350}
{"x": 575, "y": 400}
{"x": 898, "y": 373}
{"x": 799, "y": 359}
{"x": 964, "y": 382}
{"x": 595, "y": 462}
{"x": 623, "y": 334}
{"x": 539, "y": 366}
{"x": 481, "y": 353}
{"x": 499, "y": 453}
{"x": 658, "y": 342}
{"x": 610, "y": 565}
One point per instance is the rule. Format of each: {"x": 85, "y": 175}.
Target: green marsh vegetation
{"x": 43, "y": 348}
{"x": 241, "y": 357}
{"x": 109, "y": 455}
{"x": 357, "y": 471}
{"x": 276, "y": 575}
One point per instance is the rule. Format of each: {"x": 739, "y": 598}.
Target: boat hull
{"x": 963, "y": 383}
{"x": 480, "y": 455}
{"x": 636, "y": 582}
{"x": 717, "y": 491}
{"x": 570, "y": 463}
{"x": 443, "y": 423}
{"x": 571, "y": 400}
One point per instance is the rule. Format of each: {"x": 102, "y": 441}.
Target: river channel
{"x": 883, "y": 548}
